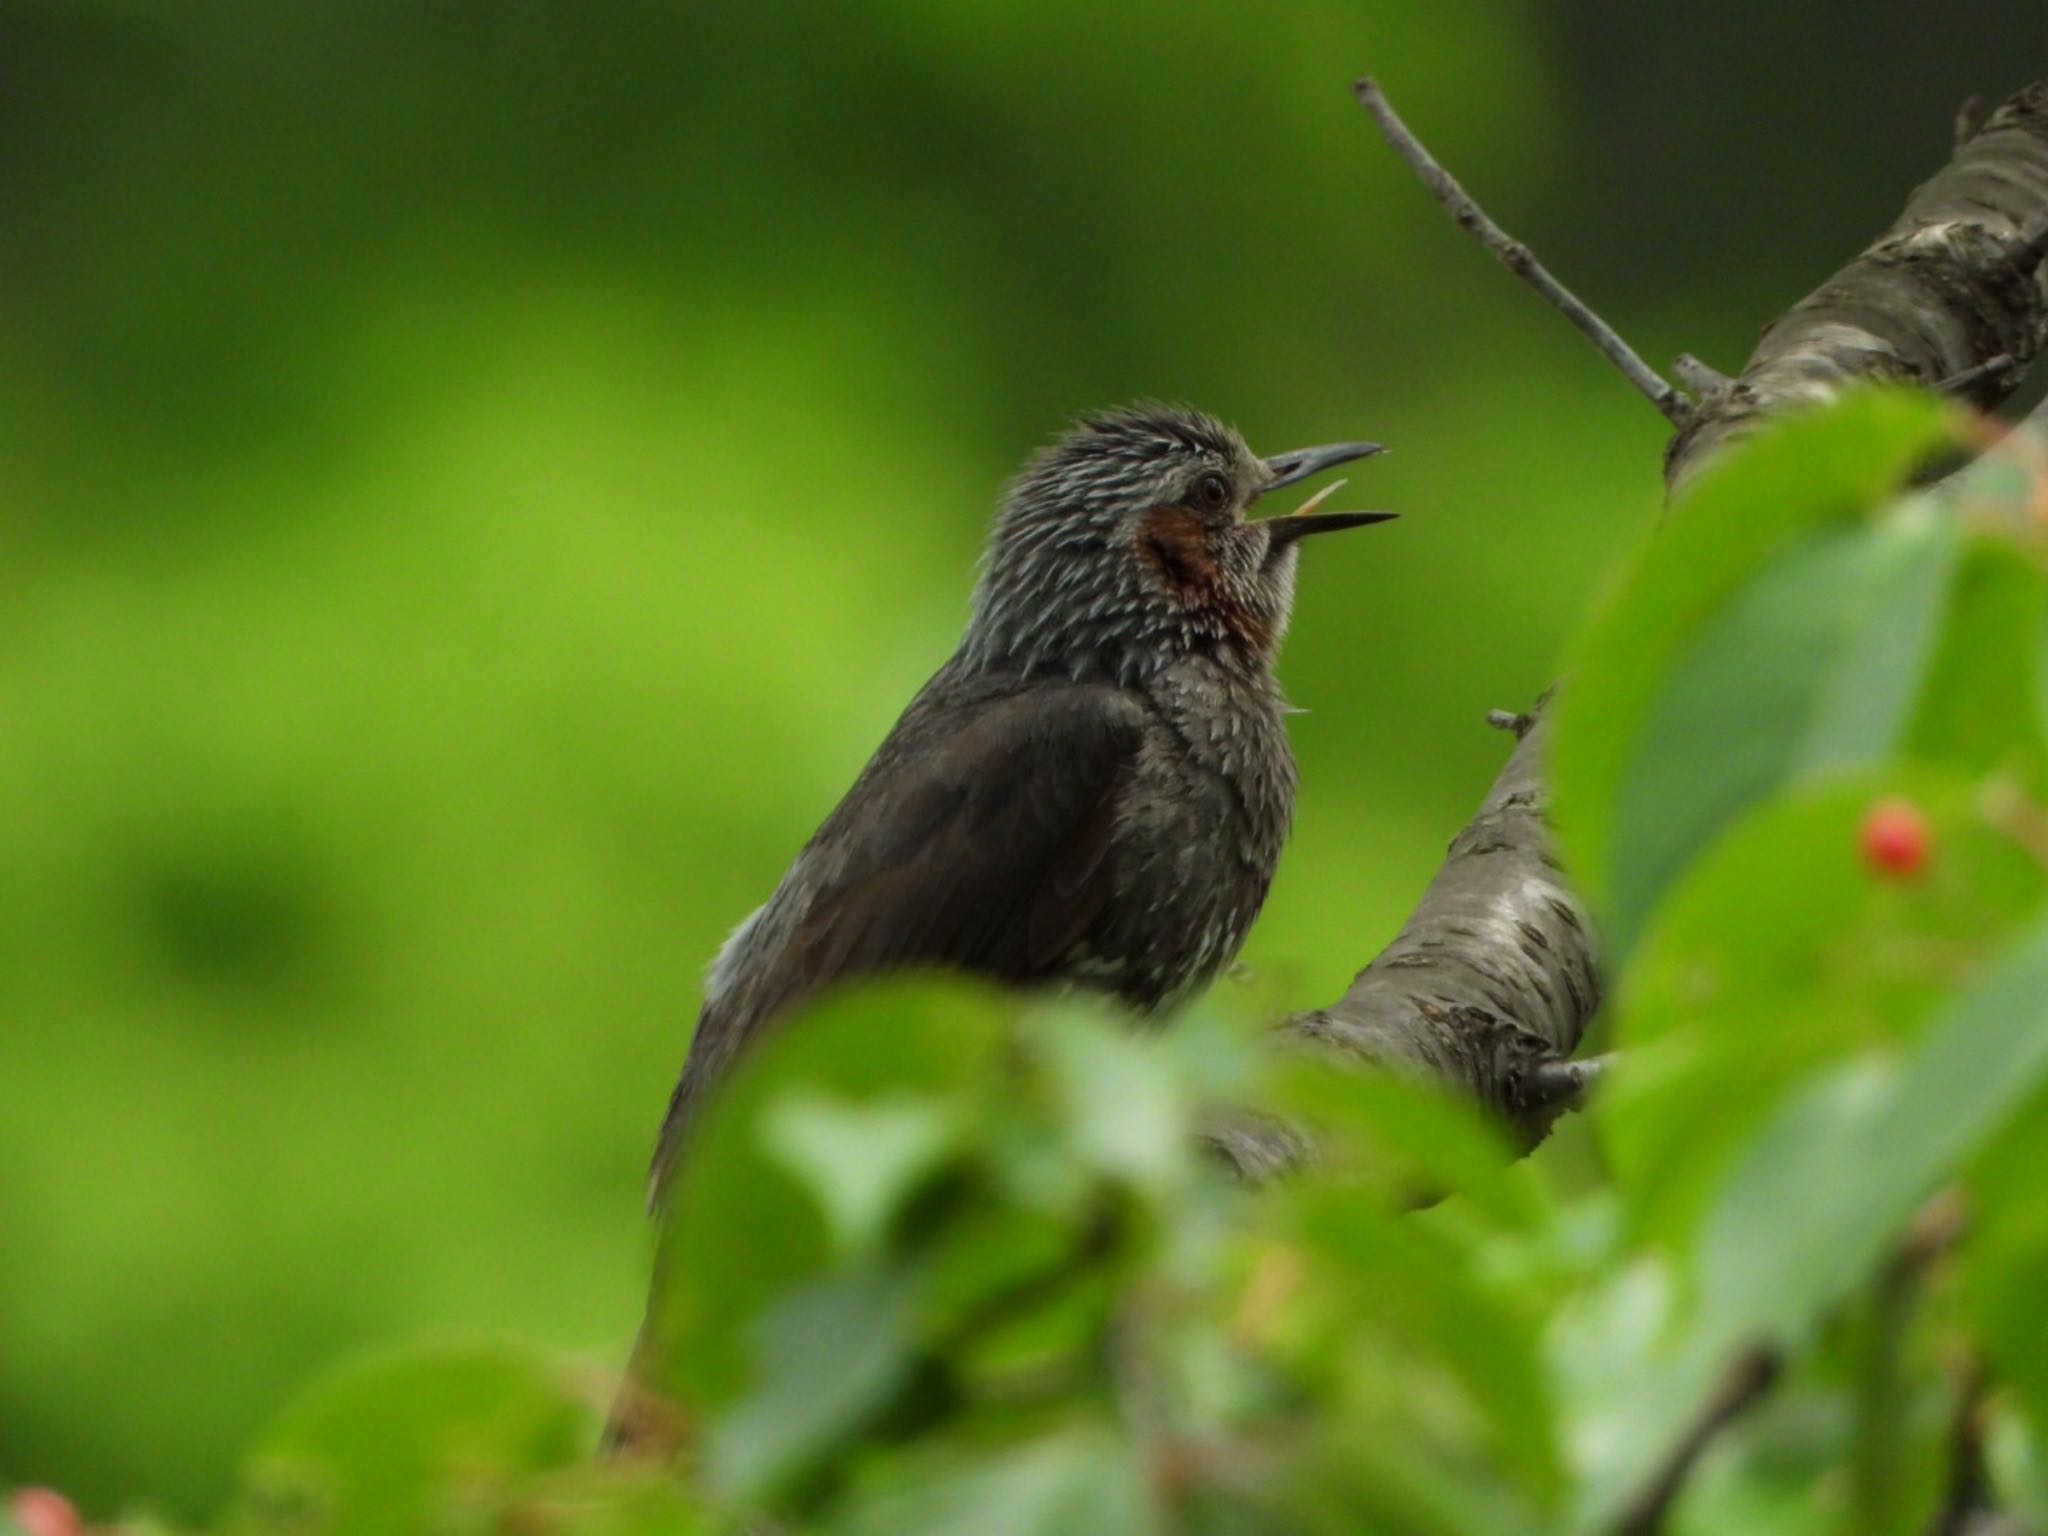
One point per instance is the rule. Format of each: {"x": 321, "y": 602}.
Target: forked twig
{"x": 1518, "y": 258}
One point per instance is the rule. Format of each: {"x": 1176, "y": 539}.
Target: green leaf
{"x": 1082, "y": 1483}
{"x": 1783, "y": 950}
{"x": 828, "y": 1356}
{"x": 745, "y": 1228}
{"x": 1836, "y": 1172}
{"x": 858, "y": 1160}
{"x": 1403, "y": 1137}
{"x": 1812, "y": 667}
{"x": 1981, "y": 706}
{"x": 1125, "y": 1110}
{"x": 1406, "y": 1291}
{"x": 2005, "y": 1264}
{"x": 411, "y": 1444}
{"x": 2016, "y": 1457}
{"x": 611, "y": 1497}
{"x": 1792, "y": 480}
{"x": 1815, "y": 1203}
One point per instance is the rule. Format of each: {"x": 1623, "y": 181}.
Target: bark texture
{"x": 1493, "y": 980}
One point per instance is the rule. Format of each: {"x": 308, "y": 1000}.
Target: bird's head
{"x": 1128, "y": 543}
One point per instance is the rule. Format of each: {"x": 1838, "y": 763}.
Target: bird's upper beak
{"x": 1287, "y": 468}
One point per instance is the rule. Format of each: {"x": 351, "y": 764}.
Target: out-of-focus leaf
{"x": 411, "y": 1444}
{"x": 1782, "y": 949}
{"x": 1625, "y": 1385}
{"x": 1980, "y": 707}
{"x": 1815, "y": 1199}
{"x": 1082, "y": 1483}
{"x": 743, "y": 1231}
{"x": 826, "y": 1355}
{"x": 1396, "y": 1464}
{"x": 2005, "y": 1263}
{"x": 1793, "y": 479}
{"x": 1122, "y": 1097}
{"x": 1839, "y": 1168}
{"x": 619, "y": 1497}
{"x": 1405, "y": 1138}
{"x": 858, "y": 1160}
{"x": 968, "y": 1187}
{"x": 1812, "y": 667}
{"x": 2016, "y": 1457}
{"x": 1397, "y": 1290}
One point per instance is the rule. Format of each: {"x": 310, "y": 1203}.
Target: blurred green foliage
{"x": 476, "y": 479}
{"x": 944, "y": 1261}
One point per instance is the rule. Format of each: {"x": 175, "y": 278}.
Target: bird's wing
{"x": 983, "y": 848}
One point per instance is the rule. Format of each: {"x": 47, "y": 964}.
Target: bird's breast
{"x": 1199, "y": 833}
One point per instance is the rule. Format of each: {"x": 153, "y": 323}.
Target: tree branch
{"x": 1517, "y": 257}
{"x": 1493, "y": 980}
{"x": 1954, "y": 283}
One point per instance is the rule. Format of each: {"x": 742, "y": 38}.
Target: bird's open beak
{"x": 1287, "y": 468}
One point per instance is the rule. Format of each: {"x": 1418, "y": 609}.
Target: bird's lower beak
{"x": 1282, "y": 531}
{"x": 1287, "y": 468}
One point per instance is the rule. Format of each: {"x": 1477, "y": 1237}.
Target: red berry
{"x": 1897, "y": 839}
{"x": 46, "y": 1512}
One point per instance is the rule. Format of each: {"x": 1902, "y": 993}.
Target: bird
{"x": 1094, "y": 790}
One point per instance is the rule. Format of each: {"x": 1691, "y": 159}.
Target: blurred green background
{"x": 477, "y": 479}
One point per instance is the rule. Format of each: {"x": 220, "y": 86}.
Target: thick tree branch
{"x": 1492, "y": 982}
{"x": 1953, "y": 285}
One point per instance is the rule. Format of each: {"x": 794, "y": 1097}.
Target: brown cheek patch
{"x": 1176, "y": 546}
{"x": 1174, "y": 542}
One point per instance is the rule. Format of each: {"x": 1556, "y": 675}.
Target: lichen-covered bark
{"x": 1491, "y": 983}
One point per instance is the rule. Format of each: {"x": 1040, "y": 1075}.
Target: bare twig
{"x": 1511, "y": 720}
{"x": 1746, "y": 1380}
{"x": 1875, "y": 1464}
{"x": 1969, "y": 120}
{"x": 1518, "y": 258}
{"x": 1702, "y": 378}
{"x": 1991, "y": 367}
{"x": 1965, "y": 1493}
{"x": 1934, "y": 1229}
{"x": 1558, "y": 1086}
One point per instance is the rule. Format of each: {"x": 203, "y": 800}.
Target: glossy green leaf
{"x": 1123, "y": 1101}
{"x": 1794, "y": 479}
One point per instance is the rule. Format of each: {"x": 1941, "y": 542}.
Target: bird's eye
{"x": 1213, "y": 492}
